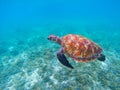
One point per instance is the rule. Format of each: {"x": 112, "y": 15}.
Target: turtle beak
{"x": 52, "y": 38}
{"x": 48, "y": 38}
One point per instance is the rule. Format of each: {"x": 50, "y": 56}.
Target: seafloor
{"x": 28, "y": 60}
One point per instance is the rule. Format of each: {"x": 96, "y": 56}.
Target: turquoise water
{"x": 28, "y": 60}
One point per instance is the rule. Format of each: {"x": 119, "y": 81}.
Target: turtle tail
{"x": 101, "y": 58}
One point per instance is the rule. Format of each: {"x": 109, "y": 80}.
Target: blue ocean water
{"x": 28, "y": 60}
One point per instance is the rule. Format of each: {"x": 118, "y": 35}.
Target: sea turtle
{"x": 78, "y": 47}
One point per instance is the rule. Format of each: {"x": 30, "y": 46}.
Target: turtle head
{"x": 54, "y": 38}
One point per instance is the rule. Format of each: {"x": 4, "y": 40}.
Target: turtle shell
{"x": 80, "y": 48}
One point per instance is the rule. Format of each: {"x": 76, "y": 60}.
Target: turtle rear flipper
{"x": 61, "y": 57}
{"x": 101, "y": 58}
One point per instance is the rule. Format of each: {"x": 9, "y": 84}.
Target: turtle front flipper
{"x": 61, "y": 57}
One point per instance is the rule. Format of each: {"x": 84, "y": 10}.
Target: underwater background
{"x": 28, "y": 60}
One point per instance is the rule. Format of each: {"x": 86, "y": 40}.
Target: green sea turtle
{"x": 78, "y": 48}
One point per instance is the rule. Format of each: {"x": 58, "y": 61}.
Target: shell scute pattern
{"x": 80, "y": 48}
